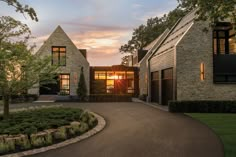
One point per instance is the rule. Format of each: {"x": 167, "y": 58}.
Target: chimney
{"x": 83, "y": 52}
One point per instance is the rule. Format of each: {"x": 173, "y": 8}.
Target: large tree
{"x": 212, "y": 10}
{"x": 145, "y": 34}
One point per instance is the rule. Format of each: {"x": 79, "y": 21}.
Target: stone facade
{"x": 185, "y": 48}
{"x": 74, "y": 59}
{"x": 196, "y": 48}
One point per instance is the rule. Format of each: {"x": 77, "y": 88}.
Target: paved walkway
{"x": 138, "y": 130}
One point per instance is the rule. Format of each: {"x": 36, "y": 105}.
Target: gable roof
{"x": 57, "y": 34}
{"x": 177, "y": 32}
{"x": 154, "y": 44}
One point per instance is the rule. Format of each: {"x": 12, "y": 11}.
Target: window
{"x": 59, "y": 55}
{"x": 224, "y": 39}
{"x": 202, "y": 71}
{"x": 130, "y": 88}
{"x": 130, "y": 75}
{"x": 110, "y": 86}
{"x": 120, "y": 75}
{"x": 100, "y": 75}
{"x": 65, "y": 84}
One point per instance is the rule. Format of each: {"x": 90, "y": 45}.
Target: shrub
{"x": 143, "y": 97}
{"x": 203, "y": 106}
{"x": 83, "y": 127}
{"x": 60, "y": 134}
{"x": 22, "y": 142}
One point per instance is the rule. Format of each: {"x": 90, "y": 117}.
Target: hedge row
{"x": 202, "y": 106}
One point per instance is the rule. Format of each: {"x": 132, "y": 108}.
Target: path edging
{"x": 99, "y": 127}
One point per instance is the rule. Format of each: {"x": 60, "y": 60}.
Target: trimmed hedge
{"x": 42, "y": 127}
{"x": 204, "y": 106}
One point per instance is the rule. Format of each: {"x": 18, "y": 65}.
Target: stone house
{"x": 70, "y": 60}
{"x": 193, "y": 64}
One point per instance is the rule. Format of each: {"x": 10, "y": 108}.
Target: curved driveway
{"x": 138, "y": 130}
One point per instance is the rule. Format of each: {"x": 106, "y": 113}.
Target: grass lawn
{"x": 224, "y": 126}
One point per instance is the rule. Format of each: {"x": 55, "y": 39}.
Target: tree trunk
{"x": 6, "y": 99}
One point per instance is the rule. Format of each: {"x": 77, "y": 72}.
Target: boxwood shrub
{"x": 204, "y": 106}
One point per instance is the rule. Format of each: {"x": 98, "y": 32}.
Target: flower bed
{"x": 42, "y": 127}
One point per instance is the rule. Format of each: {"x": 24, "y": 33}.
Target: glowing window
{"x": 100, "y": 75}
{"x": 59, "y": 55}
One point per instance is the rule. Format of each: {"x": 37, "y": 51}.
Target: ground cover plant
{"x": 41, "y": 127}
{"x": 224, "y": 125}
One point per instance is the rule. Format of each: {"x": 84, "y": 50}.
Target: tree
{"x": 82, "y": 90}
{"x": 145, "y": 34}
{"x": 211, "y": 10}
{"x": 19, "y": 68}
{"x": 22, "y": 8}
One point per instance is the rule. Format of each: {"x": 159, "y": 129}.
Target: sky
{"x": 100, "y": 26}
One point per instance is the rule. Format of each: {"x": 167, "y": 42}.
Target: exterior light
{"x": 202, "y": 71}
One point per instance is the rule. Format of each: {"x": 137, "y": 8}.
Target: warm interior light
{"x": 202, "y": 70}
{"x": 115, "y": 77}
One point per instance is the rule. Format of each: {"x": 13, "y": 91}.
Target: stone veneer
{"x": 196, "y": 48}
{"x": 74, "y": 59}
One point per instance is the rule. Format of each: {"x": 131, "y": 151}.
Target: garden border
{"x": 99, "y": 127}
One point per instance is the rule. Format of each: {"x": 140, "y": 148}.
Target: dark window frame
{"x": 222, "y": 27}
{"x": 59, "y": 55}
{"x": 60, "y": 82}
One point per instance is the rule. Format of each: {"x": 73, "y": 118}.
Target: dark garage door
{"x": 167, "y": 86}
{"x": 155, "y": 87}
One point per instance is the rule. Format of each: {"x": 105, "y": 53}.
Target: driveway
{"x": 138, "y": 130}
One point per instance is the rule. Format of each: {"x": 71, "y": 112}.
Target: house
{"x": 114, "y": 80}
{"x": 142, "y": 64}
{"x": 193, "y": 64}
{"x": 71, "y": 61}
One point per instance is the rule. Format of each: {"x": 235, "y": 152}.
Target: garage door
{"x": 155, "y": 87}
{"x": 167, "y": 86}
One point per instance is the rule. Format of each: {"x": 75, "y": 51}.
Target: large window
{"x": 65, "y": 84}
{"x": 224, "y": 39}
{"x": 113, "y": 82}
{"x": 59, "y": 55}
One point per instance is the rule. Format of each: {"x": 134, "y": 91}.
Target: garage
{"x": 167, "y": 86}
{"x": 155, "y": 87}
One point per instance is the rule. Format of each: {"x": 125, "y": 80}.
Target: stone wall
{"x": 74, "y": 59}
{"x": 196, "y": 48}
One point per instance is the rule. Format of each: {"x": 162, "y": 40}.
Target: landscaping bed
{"x": 224, "y": 125}
{"x": 42, "y": 127}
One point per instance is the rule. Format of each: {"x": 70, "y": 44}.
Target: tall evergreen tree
{"x": 82, "y": 90}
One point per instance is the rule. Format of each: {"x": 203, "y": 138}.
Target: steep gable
{"x": 177, "y": 33}
{"x": 58, "y": 38}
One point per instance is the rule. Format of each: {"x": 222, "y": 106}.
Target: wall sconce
{"x": 202, "y": 71}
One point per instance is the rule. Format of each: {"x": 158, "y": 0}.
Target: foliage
{"x": 145, "y": 34}
{"x": 203, "y": 106}
{"x": 22, "y": 8}
{"x": 20, "y": 69}
{"x": 28, "y": 122}
{"x": 224, "y": 126}
{"x": 82, "y": 90}
{"x": 212, "y": 10}
{"x": 42, "y": 127}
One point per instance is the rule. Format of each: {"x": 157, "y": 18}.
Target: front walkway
{"x": 139, "y": 130}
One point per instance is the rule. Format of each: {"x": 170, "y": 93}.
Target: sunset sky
{"x": 100, "y": 26}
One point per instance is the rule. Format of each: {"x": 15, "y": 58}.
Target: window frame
{"x": 59, "y": 55}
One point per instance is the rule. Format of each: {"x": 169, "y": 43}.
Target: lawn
{"x": 224, "y": 126}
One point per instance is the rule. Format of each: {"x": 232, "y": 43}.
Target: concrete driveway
{"x": 138, "y": 130}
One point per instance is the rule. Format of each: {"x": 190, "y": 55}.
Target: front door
{"x": 50, "y": 88}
